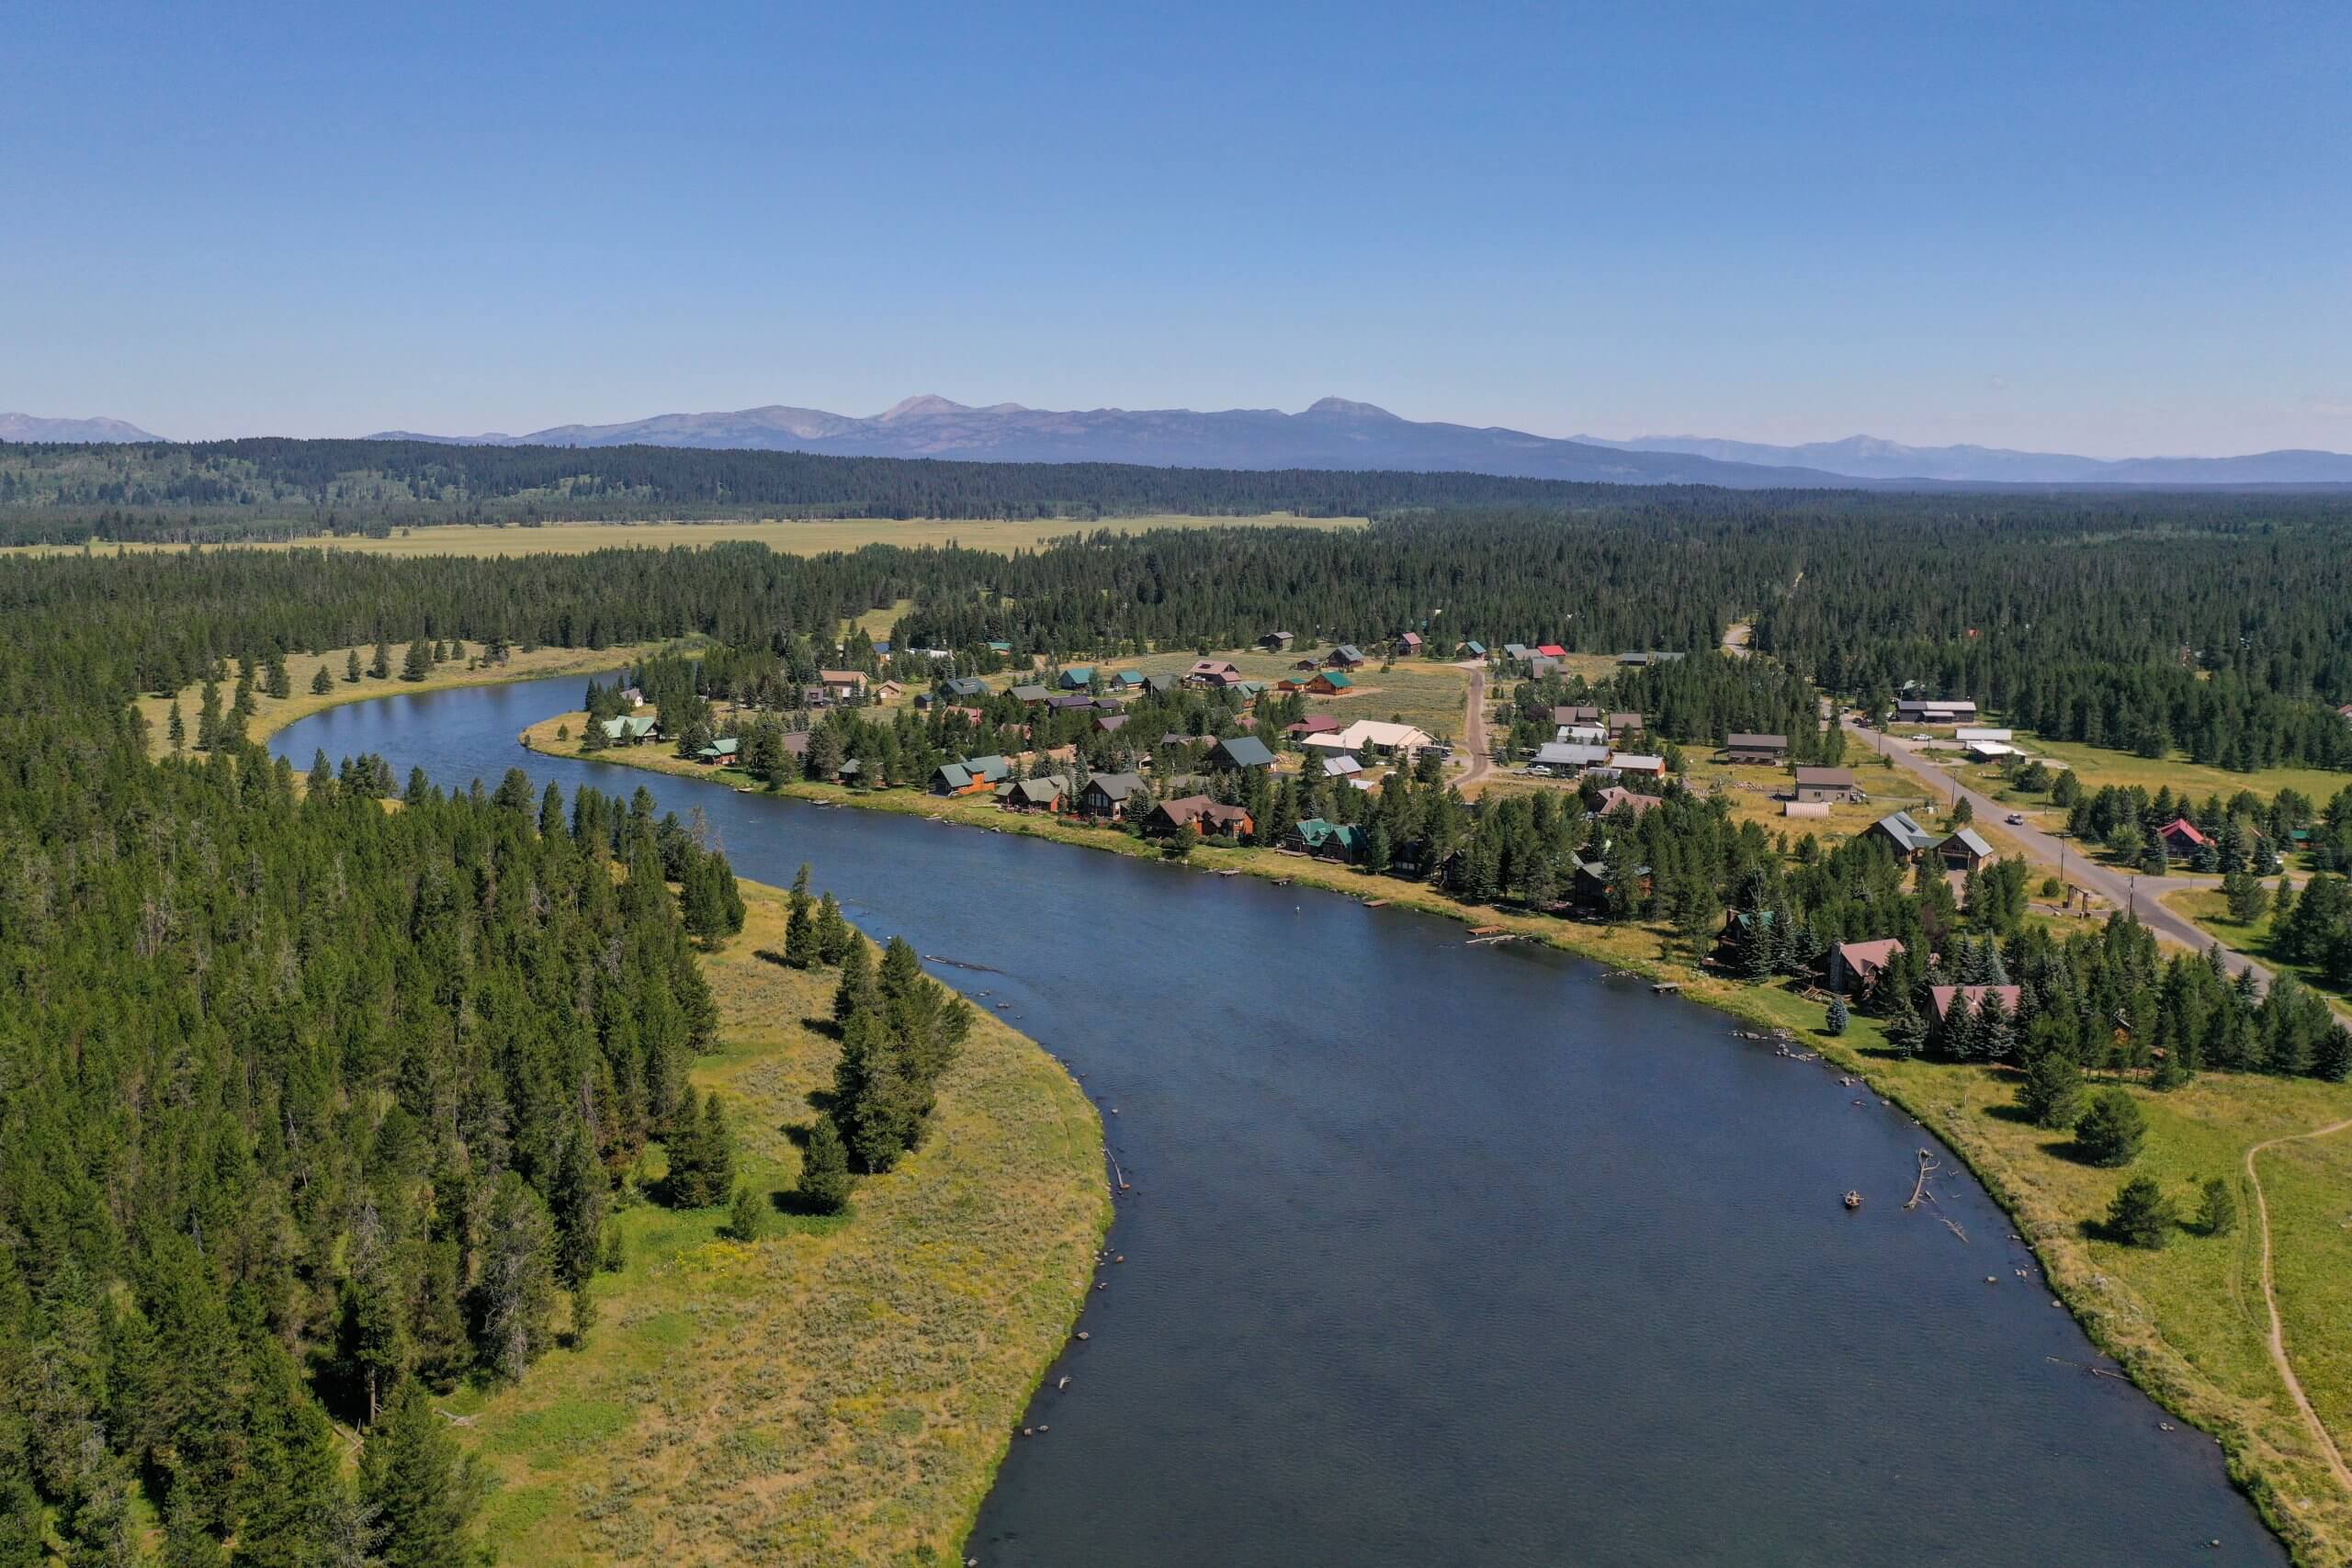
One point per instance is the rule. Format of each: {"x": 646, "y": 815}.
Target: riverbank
{"x": 843, "y": 1389}
{"x": 469, "y": 666}
{"x": 2186, "y": 1321}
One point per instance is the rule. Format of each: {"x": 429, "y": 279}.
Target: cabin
{"x": 1517, "y": 652}
{"x": 632, "y": 697}
{"x": 1989, "y": 750}
{"x": 843, "y": 685}
{"x": 1827, "y": 784}
{"x": 1326, "y": 840}
{"x": 1329, "y": 683}
{"x": 1347, "y": 656}
{"x": 970, "y": 776}
{"x": 1940, "y": 1000}
{"x": 1341, "y": 765}
{"x": 1159, "y": 686}
{"x": 889, "y": 691}
{"x": 1958, "y": 710}
{"x": 1110, "y": 723}
{"x": 1550, "y": 651}
{"x": 815, "y": 698}
{"x": 2182, "y": 838}
{"x": 1409, "y": 645}
{"x": 1078, "y": 678}
{"x": 1474, "y": 649}
{"x": 1565, "y": 716}
{"x": 1035, "y": 794}
{"x": 1565, "y": 758}
{"x": 1902, "y": 833}
{"x": 796, "y": 742}
{"x": 1107, "y": 796}
{"x": 631, "y": 728}
{"x": 1964, "y": 851}
{"x": 1638, "y": 763}
{"x": 717, "y": 751}
{"x": 1198, "y": 814}
{"x": 1383, "y": 738}
{"x": 966, "y": 686}
{"x": 1742, "y": 749}
{"x": 1212, "y": 672}
{"x": 1238, "y": 752}
{"x": 1313, "y": 724}
{"x": 1071, "y": 701}
{"x": 1128, "y": 680}
{"x": 1855, "y": 966}
{"x": 1582, "y": 734}
{"x": 1030, "y": 693}
{"x": 1641, "y": 661}
{"x": 1590, "y": 886}
{"x": 1276, "y": 642}
{"x": 1542, "y": 669}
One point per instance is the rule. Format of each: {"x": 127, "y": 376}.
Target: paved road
{"x": 2115, "y": 888}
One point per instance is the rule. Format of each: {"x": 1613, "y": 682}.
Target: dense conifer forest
{"x": 308, "y": 1107}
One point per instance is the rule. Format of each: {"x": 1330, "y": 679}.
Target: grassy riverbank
{"x": 843, "y": 1390}
{"x": 2187, "y": 1321}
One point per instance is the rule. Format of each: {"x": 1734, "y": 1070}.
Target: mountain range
{"x": 1338, "y": 434}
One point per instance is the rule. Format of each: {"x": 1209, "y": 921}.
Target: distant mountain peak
{"x": 34, "y": 427}
{"x": 930, "y": 403}
{"x": 1344, "y": 409}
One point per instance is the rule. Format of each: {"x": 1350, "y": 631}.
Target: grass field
{"x": 273, "y": 714}
{"x": 2096, "y": 767}
{"x": 2209, "y": 909}
{"x": 840, "y": 1390}
{"x": 2187, "y": 1321}
{"x": 788, "y": 536}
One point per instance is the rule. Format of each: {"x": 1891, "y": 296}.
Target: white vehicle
{"x": 2014, "y": 819}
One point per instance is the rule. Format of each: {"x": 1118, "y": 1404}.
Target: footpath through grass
{"x": 843, "y": 1390}
{"x": 2186, "y": 1321}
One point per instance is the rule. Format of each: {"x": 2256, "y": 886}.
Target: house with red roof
{"x": 1855, "y": 966}
{"x": 2182, "y": 838}
{"x": 1550, "y": 651}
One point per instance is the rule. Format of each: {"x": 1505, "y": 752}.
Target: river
{"x": 1448, "y": 1255}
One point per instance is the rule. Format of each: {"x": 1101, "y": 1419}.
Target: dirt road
{"x": 2143, "y": 895}
{"x": 1477, "y": 747}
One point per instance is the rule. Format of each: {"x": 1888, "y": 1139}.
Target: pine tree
{"x": 2141, "y": 1215}
{"x": 2111, "y": 1132}
{"x": 322, "y": 682}
{"x": 516, "y": 1292}
{"x": 834, "y": 933}
{"x": 177, "y": 727}
{"x": 717, "y": 1150}
{"x": 382, "y": 666}
{"x": 351, "y": 667}
{"x": 747, "y": 1219}
{"x": 421, "y": 1491}
{"x": 824, "y": 1170}
{"x": 800, "y": 948}
{"x": 577, "y": 1198}
{"x": 294, "y": 1468}
{"x": 419, "y": 662}
{"x": 2051, "y": 1090}
{"x": 856, "y": 989}
{"x": 1838, "y": 1016}
{"x": 2217, "y": 1212}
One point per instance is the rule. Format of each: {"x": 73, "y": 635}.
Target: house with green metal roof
{"x": 721, "y": 750}
{"x": 1241, "y": 751}
{"x": 1330, "y": 840}
{"x": 1078, "y": 678}
{"x": 628, "y": 731}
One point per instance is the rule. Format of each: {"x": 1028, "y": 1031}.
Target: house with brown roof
{"x": 1827, "y": 784}
{"x": 1409, "y": 643}
{"x": 1941, "y": 998}
{"x": 1212, "y": 672}
{"x": 1617, "y": 795}
{"x": 1964, "y": 851}
{"x": 1855, "y": 966}
{"x": 1313, "y": 724}
{"x": 1199, "y": 815}
{"x": 1745, "y": 750}
{"x": 843, "y": 685}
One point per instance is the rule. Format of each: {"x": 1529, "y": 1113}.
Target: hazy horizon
{"x": 2106, "y": 234}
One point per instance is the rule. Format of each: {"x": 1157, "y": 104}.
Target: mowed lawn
{"x": 788, "y": 536}
{"x": 841, "y": 1390}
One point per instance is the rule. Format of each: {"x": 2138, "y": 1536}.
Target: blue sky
{"x": 2112, "y": 229}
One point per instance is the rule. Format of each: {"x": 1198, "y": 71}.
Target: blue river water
{"x": 1449, "y": 1255}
